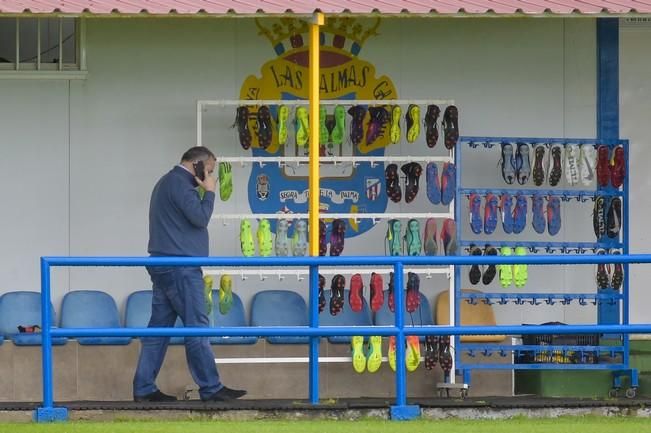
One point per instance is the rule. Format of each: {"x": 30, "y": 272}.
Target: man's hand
{"x": 209, "y": 183}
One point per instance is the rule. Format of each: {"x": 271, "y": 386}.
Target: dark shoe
{"x": 475, "y": 272}
{"x": 491, "y": 270}
{"x": 431, "y": 119}
{"x": 265, "y": 130}
{"x": 242, "y": 124}
{"x": 412, "y": 171}
{"x": 451, "y": 126}
{"x": 322, "y": 299}
{"x": 393, "y": 183}
{"x": 337, "y": 288}
{"x": 614, "y": 218}
{"x": 599, "y": 217}
{"x": 358, "y": 112}
{"x": 155, "y": 397}
{"x": 226, "y": 394}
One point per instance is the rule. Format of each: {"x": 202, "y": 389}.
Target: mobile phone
{"x": 199, "y": 170}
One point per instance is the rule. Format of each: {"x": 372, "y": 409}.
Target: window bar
{"x": 81, "y": 45}
{"x": 38, "y": 44}
{"x": 60, "y": 44}
{"x": 17, "y": 65}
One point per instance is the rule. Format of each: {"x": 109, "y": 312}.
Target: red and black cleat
{"x": 445, "y": 356}
{"x": 391, "y": 301}
{"x": 337, "y": 235}
{"x": 413, "y": 292}
{"x": 377, "y": 292}
{"x": 412, "y": 171}
{"x": 431, "y": 351}
{"x": 356, "y": 293}
{"x": 322, "y": 299}
{"x": 392, "y": 183}
{"x": 337, "y": 294}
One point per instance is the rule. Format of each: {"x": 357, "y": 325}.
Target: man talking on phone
{"x": 178, "y": 221}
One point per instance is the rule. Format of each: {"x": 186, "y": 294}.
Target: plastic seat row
{"x": 96, "y": 309}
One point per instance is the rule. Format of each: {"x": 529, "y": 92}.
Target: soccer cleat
{"x": 283, "y": 116}
{"x": 413, "y": 292}
{"x": 538, "y": 220}
{"x": 522, "y": 163}
{"x": 242, "y": 124}
{"x": 599, "y": 217}
{"x": 490, "y": 214}
{"x": 572, "y": 158}
{"x": 449, "y": 237}
{"x": 448, "y": 182}
{"x": 339, "y": 129}
{"x": 358, "y": 112}
{"x": 491, "y": 270}
{"x": 445, "y": 356}
{"x": 431, "y": 351}
{"x": 392, "y": 183}
{"x": 506, "y": 271}
{"x": 617, "y": 277}
{"x": 603, "y": 279}
{"x": 359, "y": 359}
{"x": 392, "y": 353}
{"x": 299, "y": 240}
{"x": 433, "y": 183}
{"x": 391, "y": 295}
{"x": 506, "y": 209}
{"x": 394, "y": 128}
{"x": 265, "y": 128}
{"x": 394, "y": 245}
{"x": 539, "y": 164}
{"x": 356, "y": 293}
{"x": 450, "y": 126}
{"x": 324, "y": 136}
{"x": 614, "y": 218}
{"x": 302, "y": 126}
{"x": 322, "y": 299}
{"x": 431, "y": 127}
{"x": 412, "y": 354}
{"x": 207, "y": 292}
{"x": 282, "y": 238}
{"x": 556, "y": 164}
{"x": 225, "y": 294}
{"x": 519, "y": 213}
{"x": 323, "y": 245}
{"x": 413, "y": 123}
{"x": 553, "y": 215}
{"x": 412, "y": 238}
{"x": 507, "y": 163}
{"x": 225, "y": 181}
{"x": 520, "y": 272}
{"x": 475, "y": 273}
{"x": 603, "y": 166}
{"x": 475, "y": 213}
{"x": 375, "y": 127}
{"x": 618, "y": 167}
{"x": 374, "y": 359}
{"x": 265, "y": 242}
{"x": 412, "y": 172}
{"x": 337, "y": 294}
{"x": 430, "y": 243}
{"x": 337, "y": 235}
{"x": 588, "y": 164}
{"x": 246, "y": 239}
{"x": 377, "y": 292}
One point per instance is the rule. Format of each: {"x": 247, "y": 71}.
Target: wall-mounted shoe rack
{"x": 355, "y": 160}
{"x": 612, "y": 305}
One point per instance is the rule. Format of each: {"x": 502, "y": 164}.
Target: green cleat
{"x": 374, "y": 360}
{"x": 393, "y": 238}
{"x": 265, "y": 242}
{"x": 225, "y": 294}
{"x": 225, "y": 181}
{"x": 506, "y": 271}
{"x": 302, "y": 127}
{"x": 359, "y": 359}
{"x": 207, "y": 291}
{"x": 283, "y": 115}
{"x": 412, "y": 238}
{"x": 339, "y": 130}
{"x": 394, "y": 129}
{"x": 520, "y": 272}
{"x": 323, "y": 129}
{"x": 246, "y": 239}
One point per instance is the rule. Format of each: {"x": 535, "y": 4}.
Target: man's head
{"x": 196, "y": 154}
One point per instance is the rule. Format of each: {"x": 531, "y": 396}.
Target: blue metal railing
{"x": 401, "y": 410}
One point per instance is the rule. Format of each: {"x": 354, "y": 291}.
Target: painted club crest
{"x": 262, "y": 186}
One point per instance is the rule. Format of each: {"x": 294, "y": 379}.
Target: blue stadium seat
{"x": 279, "y": 308}
{"x": 91, "y": 309}
{"x": 346, "y": 317}
{"x": 422, "y": 316}
{"x": 24, "y": 309}
{"x": 235, "y": 317}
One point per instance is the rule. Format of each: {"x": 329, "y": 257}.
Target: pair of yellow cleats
{"x": 513, "y": 273}
{"x": 412, "y": 354}
{"x": 225, "y": 293}
{"x": 265, "y": 241}
{"x": 361, "y": 361}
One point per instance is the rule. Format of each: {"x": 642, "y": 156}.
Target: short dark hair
{"x": 197, "y": 153}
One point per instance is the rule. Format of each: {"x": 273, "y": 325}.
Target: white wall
{"x": 135, "y": 114}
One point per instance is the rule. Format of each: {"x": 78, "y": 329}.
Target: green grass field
{"x": 518, "y": 425}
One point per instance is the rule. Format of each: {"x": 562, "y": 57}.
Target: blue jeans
{"x": 178, "y": 291}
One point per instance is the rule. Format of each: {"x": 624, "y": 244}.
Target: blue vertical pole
{"x": 401, "y": 377}
{"x": 458, "y": 199}
{"x": 48, "y": 401}
{"x": 314, "y": 341}
{"x": 626, "y": 250}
